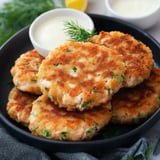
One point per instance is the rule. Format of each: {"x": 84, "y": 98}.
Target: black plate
{"x": 113, "y": 135}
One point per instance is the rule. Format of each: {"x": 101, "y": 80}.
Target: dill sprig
{"x": 76, "y": 32}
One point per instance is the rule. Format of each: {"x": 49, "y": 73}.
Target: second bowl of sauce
{"x": 143, "y": 13}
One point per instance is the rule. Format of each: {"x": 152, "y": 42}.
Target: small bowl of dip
{"x": 143, "y": 13}
{"x": 48, "y": 30}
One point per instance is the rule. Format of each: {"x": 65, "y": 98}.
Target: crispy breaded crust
{"x": 50, "y": 121}
{"x": 25, "y": 71}
{"x": 19, "y": 105}
{"x": 136, "y": 55}
{"x": 81, "y": 75}
{"x": 132, "y": 105}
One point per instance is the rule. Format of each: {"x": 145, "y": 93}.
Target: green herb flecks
{"x": 64, "y": 135}
{"x": 47, "y": 133}
{"x": 76, "y": 32}
{"x": 27, "y": 63}
{"x": 38, "y": 101}
{"x": 95, "y": 90}
{"x": 46, "y": 89}
{"x": 90, "y": 131}
{"x": 123, "y": 37}
{"x": 85, "y": 103}
{"x": 74, "y": 69}
{"x": 17, "y": 14}
{"x": 56, "y": 64}
{"x": 68, "y": 50}
{"x": 119, "y": 78}
{"x": 17, "y": 84}
{"x": 51, "y": 97}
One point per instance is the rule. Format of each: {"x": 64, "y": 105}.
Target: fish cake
{"x": 25, "y": 71}
{"x": 49, "y": 121}
{"x": 19, "y": 105}
{"x": 136, "y": 55}
{"x": 132, "y": 105}
{"x": 80, "y": 76}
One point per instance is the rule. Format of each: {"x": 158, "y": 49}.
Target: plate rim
{"x": 123, "y": 136}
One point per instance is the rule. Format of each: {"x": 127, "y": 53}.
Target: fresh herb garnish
{"x": 46, "y": 89}
{"x": 47, "y": 133}
{"x": 90, "y": 131}
{"x": 68, "y": 50}
{"x": 17, "y": 14}
{"x": 74, "y": 69}
{"x": 85, "y": 103}
{"x": 57, "y": 64}
{"x": 51, "y": 97}
{"x": 76, "y": 32}
{"x": 38, "y": 101}
{"x": 64, "y": 134}
{"x": 94, "y": 90}
{"x": 27, "y": 63}
{"x": 118, "y": 77}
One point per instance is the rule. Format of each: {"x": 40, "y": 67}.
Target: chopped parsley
{"x": 95, "y": 90}
{"x": 47, "y": 133}
{"x": 64, "y": 134}
{"x": 26, "y": 64}
{"x": 68, "y": 50}
{"x": 51, "y": 97}
{"x": 39, "y": 100}
{"x": 90, "y": 131}
{"x": 57, "y": 64}
{"x": 17, "y": 84}
{"x": 85, "y": 103}
{"x": 74, "y": 69}
{"x": 46, "y": 89}
{"x": 119, "y": 78}
{"x": 124, "y": 37}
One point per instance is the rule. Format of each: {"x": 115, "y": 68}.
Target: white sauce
{"x": 134, "y": 8}
{"x": 51, "y": 34}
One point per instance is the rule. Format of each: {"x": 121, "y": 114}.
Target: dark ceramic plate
{"x": 113, "y": 135}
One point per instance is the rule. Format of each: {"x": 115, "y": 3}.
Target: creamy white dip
{"x": 134, "y": 8}
{"x": 51, "y": 33}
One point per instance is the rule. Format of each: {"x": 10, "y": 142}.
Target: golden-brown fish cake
{"x": 19, "y": 105}
{"x": 132, "y": 105}
{"x": 25, "y": 71}
{"x": 50, "y": 121}
{"x": 136, "y": 55}
{"x": 81, "y": 75}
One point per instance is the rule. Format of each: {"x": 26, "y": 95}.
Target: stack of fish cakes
{"x": 77, "y": 85}
{"x": 26, "y": 89}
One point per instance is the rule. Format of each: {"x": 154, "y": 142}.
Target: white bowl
{"x": 42, "y": 33}
{"x": 144, "y": 21}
